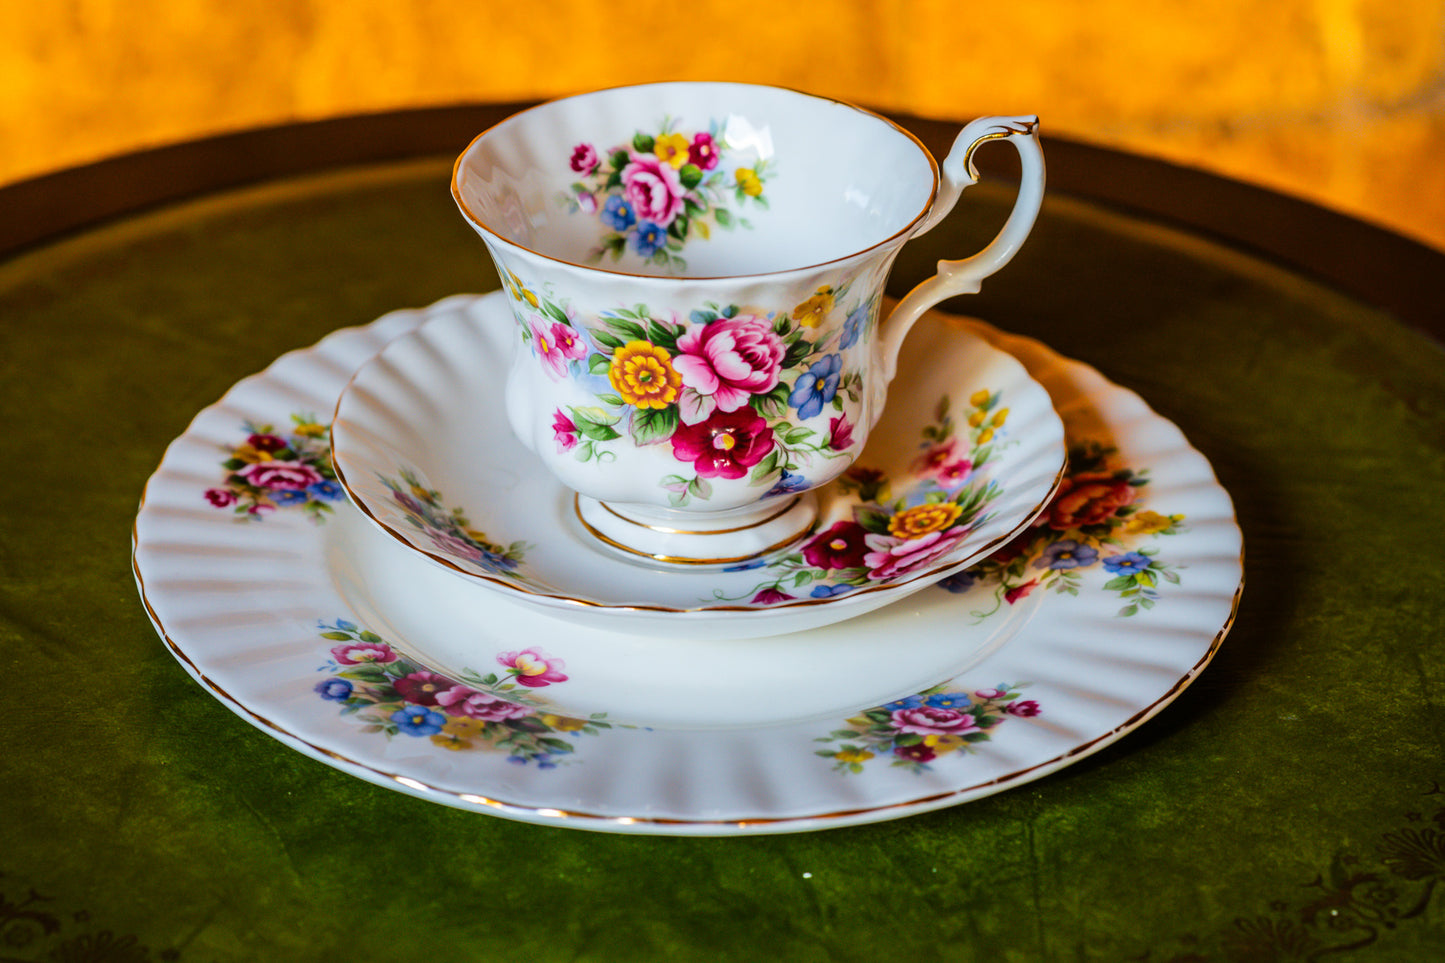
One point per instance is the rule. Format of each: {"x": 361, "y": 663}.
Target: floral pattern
{"x": 496, "y": 712}
{"x": 664, "y": 187}
{"x": 913, "y": 732}
{"x": 1094, "y": 519}
{"x": 893, "y": 535}
{"x": 730, "y": 393}
{"x": 272, "y": 469}
{"x": 449, "y": 529}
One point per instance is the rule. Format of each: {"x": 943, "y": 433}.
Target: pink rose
{"x": 462, "y": 701}
{"x": 280, "y": 475}
{"x": 584, "y": 159}
{"x": 892, "y": 556}
{"x": 654, "y": 190}
{"x": 725, "y": 362}
{"x": 933, "y": 721}
{"x": 361, "y": 653}
{"x": 531, "y": 668}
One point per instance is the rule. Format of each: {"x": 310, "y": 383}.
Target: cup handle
{"x": 966, "y": 276}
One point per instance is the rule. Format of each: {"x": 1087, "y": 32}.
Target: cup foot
{"x": 666, "y": 537}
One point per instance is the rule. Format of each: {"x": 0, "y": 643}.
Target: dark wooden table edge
{"x": 1382, "y": 268}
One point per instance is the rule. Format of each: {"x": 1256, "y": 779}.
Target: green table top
{"x": 1288, "y": 806}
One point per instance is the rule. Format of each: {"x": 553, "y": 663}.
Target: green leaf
{"x": 1119, "y": 584}
{"x": 700, "y": 488}
{"x": 796, "y": 434}
{"x": 338, "y": 636}
{"x": 724, "y": 218}
{"x": 615, "y": 180}
{"x": 653, "y": 425}
{"x": 678, "y": 227}
{"x": 690, "y": 175}
{"x": 555, "y": 313}
{"x": 872, "y": 519}
{"x": 368, "y": 636}
{"x": 609, "y": 340}
{"x": 611, "y": 399}
{"x": 629, "y": 330}
{"x": 598, "y": 364}
{"x": 620, "y": 160}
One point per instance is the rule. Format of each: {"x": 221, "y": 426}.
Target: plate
{"x": 968, "y": 452}
{"x": 327, "y": 635}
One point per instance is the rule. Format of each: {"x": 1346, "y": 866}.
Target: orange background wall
{"x": 1339, "y": 101}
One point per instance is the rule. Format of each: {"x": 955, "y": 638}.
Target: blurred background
{"x": 1340, "y": 102}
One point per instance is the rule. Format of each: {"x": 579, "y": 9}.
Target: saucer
{"x": 968, "y": 452}
{"x": 328, "y": 636}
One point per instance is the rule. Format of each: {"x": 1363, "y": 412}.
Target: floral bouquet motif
{"x": 498, "y": 712}
{"x": 271, "y": 470}
{"x": 913, "y": 732}
{"x": 1094, "y": 518}
{"x": 449, "y": 529}
{"x": 732, "y": 392}
{"x": 891, "y": 536}
{"x": 661, "y": 189}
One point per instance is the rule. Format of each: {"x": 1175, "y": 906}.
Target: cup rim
{"x": 903, "y": 232}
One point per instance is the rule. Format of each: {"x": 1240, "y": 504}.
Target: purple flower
{"x": 1066, "y": 554}
{"x": 335, "y": 690}
{"x": 816, "y": 386}
{"x": 1127, "y": 564}
{"x": 418, "y": 720}
{"x": 618, "y": 214}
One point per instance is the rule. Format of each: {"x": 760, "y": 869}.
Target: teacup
{"x": 696, "y": 272}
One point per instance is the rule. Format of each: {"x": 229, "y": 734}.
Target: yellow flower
{"x": 464, "y": 727}
{"x": 978, "y": 398}
{"x": 672, "y": 149}
{"x": 976, "y": 419}
{"x": 749, "y": 182}
{"x": 310, "y": 429}
{"x": 479, "y": 537}
{"x": 1000, "y": 418}
{"x": 812, "y": 311}
{"x": 643, "y": 375}
{"x": 919, "y": 520}
{"x": 985, "y": 436}
{"x": 251, "y": 455}
{"x": 1147, "y": 523}
{"x": 853, "y": 755}
{"x": 530, "y": 297}
{"x": 563, "y": 723}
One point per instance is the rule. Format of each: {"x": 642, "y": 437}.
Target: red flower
{"x": 918, "y": 752}
{"x": 841, "y": 546}
{"x": 1026, "y": 709}
{"x": 1088, "y": 499}
{"x": 726, "y": 445}
{"x": 267, "y": 443}
{"x": 584, "y": 159}
{"x": 771, "y": 596}
{"x": 1019, "y": 592}
{"x": 703, "y": 152}
{"x": 563, "y": 431}
{"x": 220, "y": 497}
{"x": 422, "y": 688}
{"x": 840, "y": 433}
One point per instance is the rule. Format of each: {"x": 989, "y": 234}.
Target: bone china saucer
{"x": 968, "y": 452}
{"x": 332, "y": 638}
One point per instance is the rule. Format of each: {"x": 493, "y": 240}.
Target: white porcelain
{"x": 968, "y": 453}
{"x": 304, "y": 620}
{"x": 696, "y": 272}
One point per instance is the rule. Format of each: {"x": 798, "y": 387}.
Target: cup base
{"x": 665, "y": 537}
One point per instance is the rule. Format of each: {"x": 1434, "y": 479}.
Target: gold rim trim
{"x": 684, "y": 560}
{"x": 683, "y": 531}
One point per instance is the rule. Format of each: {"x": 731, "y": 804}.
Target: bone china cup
{"x": 696, "y": 272}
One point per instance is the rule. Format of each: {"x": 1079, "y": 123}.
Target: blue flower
{"x": 790, "y": 482}
{"x": 327, "y": 490}
{"x": 345, "y": 626}
{"x": 816, "y": 386}
{"x": 830, "y": 591}
{"x": 290, "y": 496}
{"x": 648, "y": 238}
{"x": 958, "y": 582}
{"x": 1066, "y": 554}
{"x": 853, "y": 327}
{"x": 948, "y": 700}
{"x": 336, "y": 690}
{"x": 911, "y": 702}
{"x": 617, "y": 213}
{"x": 744, "y": 566}
{"x": 418, "y": 720}
{"x": 1127, "y": 564}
